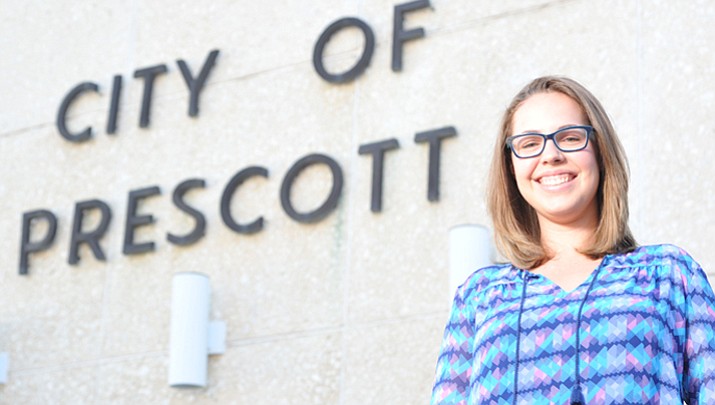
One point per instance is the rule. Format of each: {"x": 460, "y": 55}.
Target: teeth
{"x": 555, "y": 180}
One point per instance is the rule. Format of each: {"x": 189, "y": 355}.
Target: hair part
{"x": 516, "y": 225}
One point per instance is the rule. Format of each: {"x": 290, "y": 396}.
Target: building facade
{"x": 310, "y": 158}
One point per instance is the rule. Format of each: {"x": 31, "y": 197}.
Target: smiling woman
{"x": 559, "y": 185}
{"x": 581, "y": 315}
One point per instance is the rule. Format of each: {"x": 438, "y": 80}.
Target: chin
{"x": 569, "y": 215}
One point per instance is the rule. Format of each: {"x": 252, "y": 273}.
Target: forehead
{"x": 547, "y": 112}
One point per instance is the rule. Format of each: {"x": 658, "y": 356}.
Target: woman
{"x": 581, "y": 315}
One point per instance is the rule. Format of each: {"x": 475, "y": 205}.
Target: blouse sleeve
{"x": 454, "y": 365}
{"x": 699, "y": 356}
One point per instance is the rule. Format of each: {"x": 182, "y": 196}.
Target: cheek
{"x": 589, "y": 163}
{"x": 522, "y": 169}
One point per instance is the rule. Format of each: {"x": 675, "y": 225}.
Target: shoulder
{"x": 488, "y": 277}
{"x": 655, "y": 255}
{"x": 663, "y": 261}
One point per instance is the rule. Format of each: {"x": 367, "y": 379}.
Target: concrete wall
{"x": 348, "y": 310}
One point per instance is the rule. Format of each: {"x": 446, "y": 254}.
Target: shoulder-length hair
{"x": 516, "y": 225}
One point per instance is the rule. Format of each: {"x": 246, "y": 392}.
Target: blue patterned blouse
{"x": 639, "y": 330}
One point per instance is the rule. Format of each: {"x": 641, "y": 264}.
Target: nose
{"x": 551, "y": 153}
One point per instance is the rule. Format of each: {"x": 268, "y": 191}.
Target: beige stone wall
{"x": 348, "y": 310}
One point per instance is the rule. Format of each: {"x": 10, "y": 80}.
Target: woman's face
{"x": 560, "y": 186}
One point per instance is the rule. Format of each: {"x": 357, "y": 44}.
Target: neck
{"x": 567, "y": 239}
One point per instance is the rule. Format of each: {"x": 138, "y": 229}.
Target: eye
{"x": 527, "y": 142}
{"x": 572, "y": 137}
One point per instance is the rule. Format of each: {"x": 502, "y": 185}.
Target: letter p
{"x": 27, "y": 247}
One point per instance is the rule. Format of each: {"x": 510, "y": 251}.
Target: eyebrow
{"x": 533, "y": 131}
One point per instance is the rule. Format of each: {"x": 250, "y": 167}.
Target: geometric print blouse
{"x": 639, "y": 330}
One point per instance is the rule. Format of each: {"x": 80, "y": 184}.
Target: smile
{"x": 555, "y": 180}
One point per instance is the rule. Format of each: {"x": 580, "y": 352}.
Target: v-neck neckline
{"x": 562, "y": 292}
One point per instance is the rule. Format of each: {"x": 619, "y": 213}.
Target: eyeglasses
{"x": 531, "y": 144}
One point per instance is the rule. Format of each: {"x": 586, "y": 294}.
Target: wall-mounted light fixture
{"x": 4, "y": 365}
{"x": 193, "y": 337}
{"x": 470, "y": 248}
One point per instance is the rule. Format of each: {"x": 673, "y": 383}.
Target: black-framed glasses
{"x": 568, "y": 139}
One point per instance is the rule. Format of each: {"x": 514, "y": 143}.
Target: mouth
{"x": 556, "y": 180}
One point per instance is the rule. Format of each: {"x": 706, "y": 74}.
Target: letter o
{"x": 362, "y": 63}
{"x": 330, "y": 203}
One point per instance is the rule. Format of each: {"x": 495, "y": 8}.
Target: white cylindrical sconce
{"x": 4, "y": 365}
{"x": 470, "y": 248}
{"x": 191, "y": 340}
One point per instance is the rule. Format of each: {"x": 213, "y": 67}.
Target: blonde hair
{"x": 516, "y": 225}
